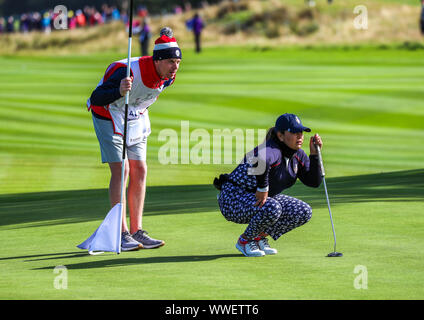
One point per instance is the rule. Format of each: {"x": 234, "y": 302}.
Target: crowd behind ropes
{"x": 44, "y": 21}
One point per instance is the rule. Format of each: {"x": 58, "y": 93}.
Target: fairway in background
{"x": 366, "y": 104}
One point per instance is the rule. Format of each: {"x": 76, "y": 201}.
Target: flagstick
{"x": 127, "y": 95}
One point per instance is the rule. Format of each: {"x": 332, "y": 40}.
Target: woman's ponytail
{"x": 270, "y": 134}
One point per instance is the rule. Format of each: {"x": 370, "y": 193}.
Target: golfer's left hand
{"x": 315, "y": 140}
{"x": 261, "y": 197}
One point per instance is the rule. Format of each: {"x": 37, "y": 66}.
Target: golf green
{"x": 366, "y": 103}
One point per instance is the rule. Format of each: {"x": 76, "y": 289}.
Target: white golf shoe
{"x": 265, "y": 247}
{"x": 250, "y": 249}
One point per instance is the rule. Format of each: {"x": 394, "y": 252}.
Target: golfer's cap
{"x": 291, "y": 123}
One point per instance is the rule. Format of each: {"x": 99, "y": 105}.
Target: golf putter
{"x": 334, "y": 253}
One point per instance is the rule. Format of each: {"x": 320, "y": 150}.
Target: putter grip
{"x": 320, "y": 160}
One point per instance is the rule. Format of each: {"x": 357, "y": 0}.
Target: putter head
{"x": 335, "y": 254}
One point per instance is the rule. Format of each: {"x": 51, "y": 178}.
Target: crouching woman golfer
{"x": 255, "y": 198}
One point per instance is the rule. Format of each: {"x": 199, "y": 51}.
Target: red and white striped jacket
{"x": 146, "y": 87}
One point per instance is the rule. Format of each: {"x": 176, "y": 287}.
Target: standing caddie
{"x": 150, "y": 75}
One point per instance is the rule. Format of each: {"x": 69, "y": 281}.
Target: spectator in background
{"x": 72, "y": 20}
{"x": 92, "y": 17}
{"x": 46, "y": 22}
{"x": 16, "y": 25}
{"x": 144, "y": 38}
{"x": 25, "y": 23}
{"x": 10, "y": 24}
{"x": 81, "y": 19}
{"x": 97, "y": 17}
{"x": 142, "y": 11}
{"x": 178, "y": 10}
{"x": 196, "y": 25}
{"x": 106, "y": 13}
{"x": 87, "y": 13}
{"x": 116, "y": 15}
{"x": 136, "y": 26}
{"x": 422, "y": 17}
{"x": 53, "y": 17}
{"x": 2, "y": 25}
{"x": 34, "y": 21}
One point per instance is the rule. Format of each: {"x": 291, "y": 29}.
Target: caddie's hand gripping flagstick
{"x": 334, "y": 253}
{"x": 127, "y": 95}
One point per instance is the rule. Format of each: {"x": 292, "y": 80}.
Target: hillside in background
{"x": 257, "y": 23}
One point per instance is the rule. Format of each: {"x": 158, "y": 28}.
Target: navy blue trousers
{"x": 279, "y": 215}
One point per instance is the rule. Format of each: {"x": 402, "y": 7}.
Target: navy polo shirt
{"x": 283, "y": 166}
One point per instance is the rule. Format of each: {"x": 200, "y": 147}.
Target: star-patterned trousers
{"x": 279, "y": 215}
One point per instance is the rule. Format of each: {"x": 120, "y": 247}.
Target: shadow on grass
{"x": 48, "y": 256}
{"x": 61, "y": 207}
{"x": 388, "y": 187}
{"x": 133, "y": 261}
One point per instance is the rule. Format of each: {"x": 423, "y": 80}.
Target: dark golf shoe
{"x": 147, "y": 242}
{"x": 128, "y": 243}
